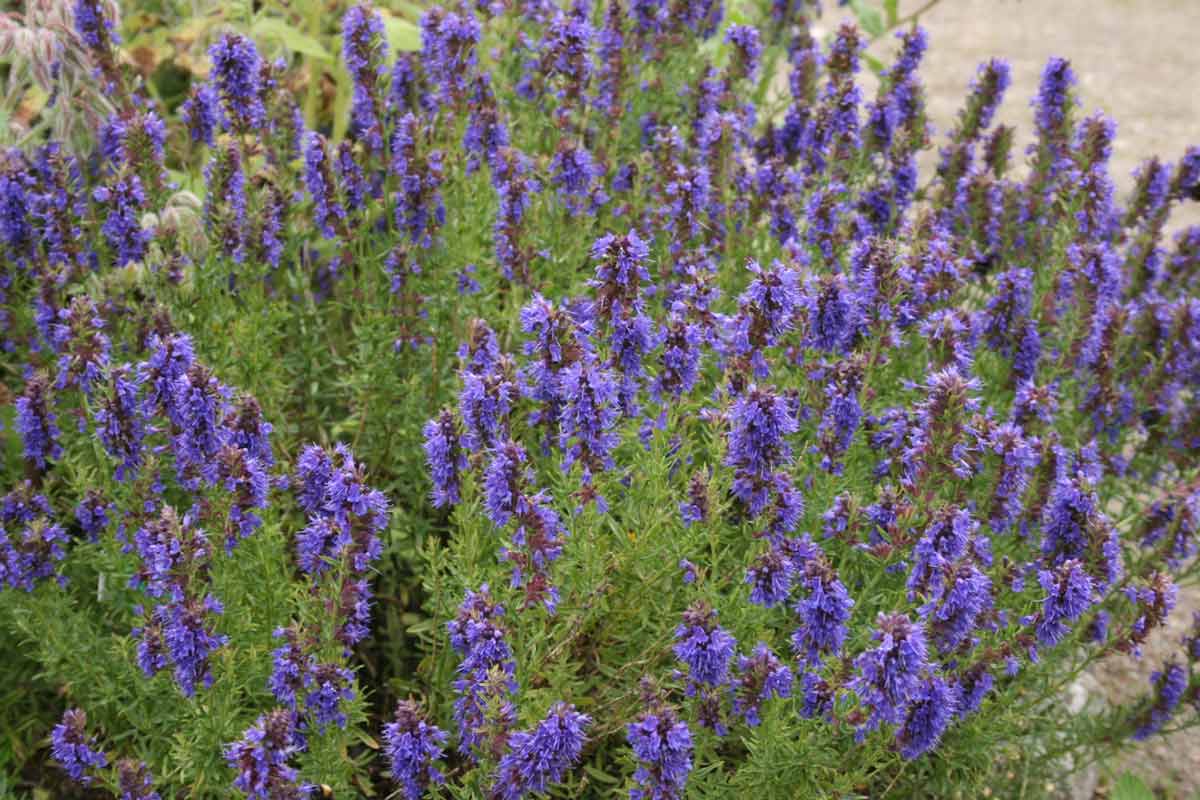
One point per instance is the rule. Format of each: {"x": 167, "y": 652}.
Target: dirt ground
{"x": 1138, "y": 61}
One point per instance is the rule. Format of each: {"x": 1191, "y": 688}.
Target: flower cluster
{"x": 79, "y": 754}
{"x": 413, "y": 745}
{"x": 889, "y": 676}
{"x": 31, "y": 542}
{"x": 540, "y": 757}
{"x": 74, "y": 749}
{"x": 761, "y": 676}
{"x": 705, "y": 647}
{"x": 261, "y": 758}
{"x": 662, "y": 744}
{"x": 37, "y": 423}
{"x": 364, "y": 49}
{"x": 237, "y": 78}
{"x": 134, "y": 781}
{"x": 303, "y": 684}
{"x": 345, "y": 518}
{"x": 486, "y": 675}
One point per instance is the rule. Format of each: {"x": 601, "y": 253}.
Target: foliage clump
{"x": 585, "y": 413}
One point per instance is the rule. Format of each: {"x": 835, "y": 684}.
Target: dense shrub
{"x": 596, "y": 417}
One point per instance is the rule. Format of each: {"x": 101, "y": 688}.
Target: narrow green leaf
{"x": 402, "y": 35}
{"x": 1131, "y": 787}
{"x": 341, "y": 104}
{"x": 410, "y": 10}
{"x": 869, "y": 18}
{"x": 891, "y": 8}
{"x": 292, "y": 39}
{"x": 602, "y": 777}
{"x": 739, "y": 12}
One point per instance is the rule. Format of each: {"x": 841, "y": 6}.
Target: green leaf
{"x": 402, "y": 35}
{"x": 599, "y": 775}
{"x": 891, "y": 10}
{"x": 292, "y": 39}
{"x": 870, "y": 18}
{"x": 1131, "y": 787}
{"x": 411, "y": 10}
{"x": 341, "y": 104}
{"x": 739, "y": 12}
{"x": 715, "y": 49}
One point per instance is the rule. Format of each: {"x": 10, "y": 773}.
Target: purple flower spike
{"x": 889, "y": 676}
{"x": 413, "y": 746}
{"x": 704, "y": 646}
{"x": 94, "y": 26}
{"x": 482, "y": 711}
{"x": 261, "y": 758}
{"x": 539, "y": 758}
{"x": 760, "y": 423}
{"x": 237, "y": 74}
{"x": 771, "y": 578}
{"x": 202, "y": 113}
{"x": 365, "y": 51}
{"x": 823, "y": 612}
{"x": 134, "y": 781}
{"x": 31, "y": 542}
{"x": 1069, "y": 593}
{"x": 328, "y": 211}
{"x": 662, "y": 744}
{"x": 932, "y": 709}
{"x": 760, "y": 677}
{"x": 74, "y": 749}
{"x": 446, "y": 458}
{"x": 747, "y": 49}
{"x": 1169, "y": 684}
{"x": 37, "y": 423}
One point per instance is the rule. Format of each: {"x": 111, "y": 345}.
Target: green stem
{"x": 313, "y": 65}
